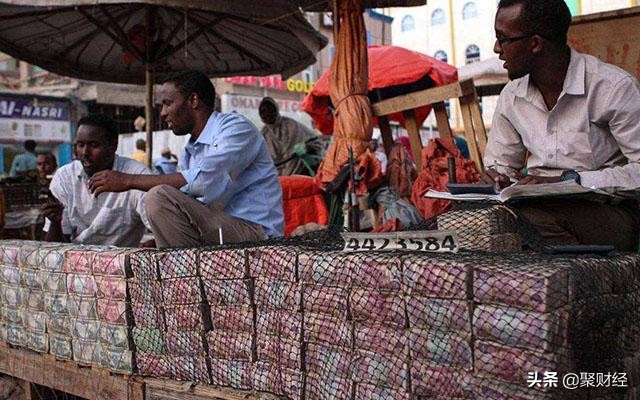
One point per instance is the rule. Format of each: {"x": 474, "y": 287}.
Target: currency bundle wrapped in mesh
{"x": 190, "y": 368}
{"x": 440, "y": 314}
{"x": 381, "y": 339}
{"x": 326, "y": 299}
{"x": 228, "y": 292}
{"x": 230, "y": 345}
{"x": 176, "y": 263}
{"x": 54, "y": 282}
{"x": 113, "y": 311}
{"x": 187, "y": 317}
{"x": 444, "y": 277}
{"x": 185, "y": 343}
{"x": 147, "y": 315}
{"x": 56, "y": 303}
{"x": 521, "y": 328}
{"x": 10, "y": 275}
{"x": 325, "y": 269}
{"x": 59, "y": 324}
{"x": 37, "y": 341}
{"x": 484, "y": 388}
{"x": 31, "y": 278}
{"x": 28, "y": 254}
{"x": 292, "y": 383}
{"x": 115, "y": 336}
{"x": 232, "y": 318}
{"x": 268, "y": 377}
{"x": 35, "y": 321}
{"x": 184, "y": 290}
{"x": 325, "y": 328}
{"x": 149, "y": 340}
{"x": 381, "y": 370}
{"x": 152, "y": 364}
{"x": 274, "y": 262}
{"x": 9, "y": 253}
{"x": 82, "y": 307}
{"x": 79, "y": 260}
{"x": 11, "y": 295}
{"x": 52, "y": 258}
{"x": 511, "y": 364}
{"x": 87, "y": 352}
{"x": 523, "y": 285}
{"x": 81, "y": 284}
{"x": 237, "y": 374}
{"x": 143, "y": 266}
{"x": 441, "y": 348}
{"x": 145, "y": 291}
{"x": 115, "y": 262}
{"x": 12, "y": 315}
{"x": 322, "y": 387}
{"x": 381, "y": 272}
{"x": 283, "y": 352}
{"x": 16, "y": 335}
{"x": 387, "y": 307}
{"x": 117, "y": 360}
{"x": 279, "y": 322}
{"x": 61, "y": 346}
{"x": 223, "y": 264}
{"x": 275, "y": 293}
{"x": 433, "y": 381}
{"x": 33, "y": 299}
{"x": 365, "y": 391}
{"x": 112, "y": 287}
{"x": 329, "y": 361}
{"x": 86, "y": 329}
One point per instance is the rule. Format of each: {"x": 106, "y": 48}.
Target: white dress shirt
{"x": 594, "y": 128}
{"x": 111, "y": 218}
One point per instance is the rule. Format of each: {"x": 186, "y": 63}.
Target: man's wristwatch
{"x": 570, "y": 175}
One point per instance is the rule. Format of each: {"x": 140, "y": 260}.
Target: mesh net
{"x": 299, "y": 318}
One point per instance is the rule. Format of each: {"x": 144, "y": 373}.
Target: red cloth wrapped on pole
{"x": 302, "y": 202}
{"x": 353, "y": 124}
{"x": 435, "y": 175}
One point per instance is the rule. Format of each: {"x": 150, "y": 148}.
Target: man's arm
{"x": 115, "y": 181}
{"x": 53, "y": 212}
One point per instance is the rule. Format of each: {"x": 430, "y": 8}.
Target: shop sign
{"x": 29, "y": 117}
{"x": 274, "y": 81}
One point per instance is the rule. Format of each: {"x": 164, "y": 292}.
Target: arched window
{"x": 407, "y": 24}
{"x": 472, "y": 54}
{"x": 441, "y": 55}
{"x": 438, "y": 17}
{"x": 469, "y": 10}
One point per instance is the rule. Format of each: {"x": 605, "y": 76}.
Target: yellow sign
{"x": 297, "y": 85}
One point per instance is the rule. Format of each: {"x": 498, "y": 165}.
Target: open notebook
{"x": 564, "y": 188}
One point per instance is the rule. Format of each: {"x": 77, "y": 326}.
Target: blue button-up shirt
{"x": 229, "y": 164}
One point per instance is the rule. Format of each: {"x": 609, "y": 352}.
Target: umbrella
{"x": 143, "y": 40}
{"x": 392, "y": 71}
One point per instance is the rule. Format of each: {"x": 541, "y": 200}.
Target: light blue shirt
{"x": 229, "y": 164}
{"x": 23, "y": 162}
{"x": 166, "y": 166}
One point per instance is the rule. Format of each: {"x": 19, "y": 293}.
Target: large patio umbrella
{"x": 141, "y": 41}
{"x": 393, "y": 71}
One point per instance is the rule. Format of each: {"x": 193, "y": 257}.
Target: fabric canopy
{"x": 393, "y": 71}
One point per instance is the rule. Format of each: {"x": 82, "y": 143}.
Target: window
{"x": 469, "y": 10}
{"x": 472, "y": 54}
{"x": 441, "y": 55}
{"x": 438, "y": 17}
{"x": 407, "y": 24}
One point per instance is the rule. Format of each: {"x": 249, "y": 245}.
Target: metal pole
{"x": 148, "y": 108}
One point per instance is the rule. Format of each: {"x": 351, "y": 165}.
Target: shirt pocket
{"x": 575, "y": 150}
{"x": 112, "y": 221}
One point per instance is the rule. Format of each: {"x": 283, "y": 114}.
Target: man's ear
{"x": 537, "y": 44}
{"x": 194, "y": 101}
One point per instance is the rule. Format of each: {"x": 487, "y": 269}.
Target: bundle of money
{"x": 274, "y": 262}
{"x": 233, "y": 373}
{"x": 223, "y": 264}
{"x": 228, "y": 292}
{"x": 190, "y": 368}
{"x": 438, "y": 381}
{"x": 153, "y": 364}
{"x": 381, "y": 370}
{"x": 176, "y": 263}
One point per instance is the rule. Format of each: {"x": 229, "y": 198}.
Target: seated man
{"x": 282, "y": 134}
{"x": 227, "y": 188}
{"x": 46, "y": 164}
{"x": 79, "y": 216}
{"x": 25, "y": 162}
{"x": 576, "y": 117}
{"x": 167, "y": 163}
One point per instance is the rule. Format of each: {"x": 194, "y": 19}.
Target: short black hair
{"x": 30, "y": 145}
{"x": 141, "y": 144}
{"x": 197, "y": 82}
{"x": 547, "y": 18}
{"x": 101, "y": 121}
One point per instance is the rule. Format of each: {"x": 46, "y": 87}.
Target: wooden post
{"x": 442, "y": 119}
{"x": 385, "y": 133}
{"x": 148, "y": 108}
{"x": 469, "y": 133}
{"x": 414, "y": 136}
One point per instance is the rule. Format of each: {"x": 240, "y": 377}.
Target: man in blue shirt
{"x": 24, "y": 162}
{"x": 227, "y": 189}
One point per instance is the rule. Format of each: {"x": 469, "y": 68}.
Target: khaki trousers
{"x": 565, "y": 221}
{"x": 178, "y": 220}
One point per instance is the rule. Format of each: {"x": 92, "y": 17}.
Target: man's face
{"x": 45, "y": 167}
{"x": 94, "y": 149}
{"x": 515, "y": 49}
{"x": 268, "y": 112}
{"x": 175, "y": 110}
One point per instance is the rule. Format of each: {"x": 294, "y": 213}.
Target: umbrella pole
{"x": 148, "y": 108}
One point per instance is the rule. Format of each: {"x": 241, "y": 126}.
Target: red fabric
{"x": 391, "y": 225}
{"x": 388, "y": 66}
{"x": 435, "y": 175}
{"x": 302, "y": 202}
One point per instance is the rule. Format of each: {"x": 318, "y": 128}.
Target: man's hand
{"x": 493, "y": 177}
{"x": 108, "y": 181}
{"x": 53, "y": 211}
{"x": 534, "y": 180}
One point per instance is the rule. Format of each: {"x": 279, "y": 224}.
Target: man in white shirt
{"x": 565, "y": 116}
{"x": 80, "y": 217}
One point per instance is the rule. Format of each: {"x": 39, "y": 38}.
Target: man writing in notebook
{"x": 565, "y": 116}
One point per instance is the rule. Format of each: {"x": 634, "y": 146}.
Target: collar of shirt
{"x": 574, "y": 83}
